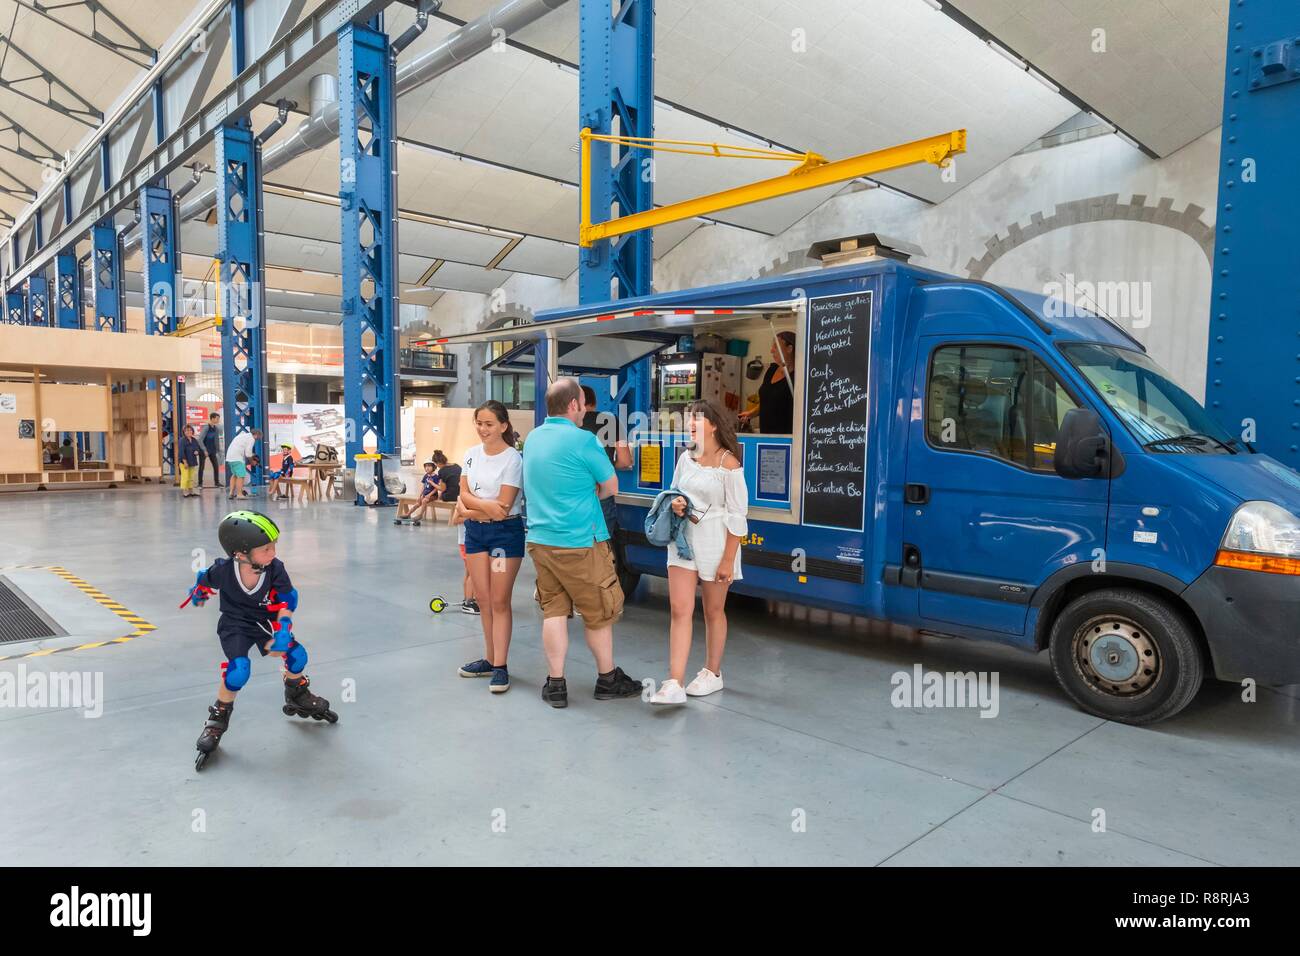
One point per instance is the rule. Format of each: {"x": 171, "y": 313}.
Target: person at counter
{"x": 776, "y": 396}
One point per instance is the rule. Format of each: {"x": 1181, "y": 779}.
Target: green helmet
{"x": 242, "y": 531}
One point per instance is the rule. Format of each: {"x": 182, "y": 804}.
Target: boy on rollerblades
{"x": 257, "y": 603}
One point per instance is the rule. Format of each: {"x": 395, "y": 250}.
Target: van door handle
{"x": 916, "y": 494}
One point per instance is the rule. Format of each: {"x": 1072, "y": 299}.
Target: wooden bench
{"x": 304, "y": 485}
{"x": 406, "y": 504}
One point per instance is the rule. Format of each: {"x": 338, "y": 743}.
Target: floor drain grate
{"x": 18, "y": 622}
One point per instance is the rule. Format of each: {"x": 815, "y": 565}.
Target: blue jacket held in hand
{"x": 663, "y": 525}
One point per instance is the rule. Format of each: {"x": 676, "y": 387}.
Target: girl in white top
{"x": 489, "y": 504}
{"x": 711, "y": 476}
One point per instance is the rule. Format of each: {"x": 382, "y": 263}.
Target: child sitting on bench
{"x": 431, "y": 488}
{"x": 285, "y": 472}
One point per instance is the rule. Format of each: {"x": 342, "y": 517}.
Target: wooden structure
{"x": 74, "y": 380}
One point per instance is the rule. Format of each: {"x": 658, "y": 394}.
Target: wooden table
{"x": 323, "y": 472}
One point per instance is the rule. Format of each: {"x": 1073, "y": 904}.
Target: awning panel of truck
{"x": 603, "y": 321}
{"x": 590, "y": 356}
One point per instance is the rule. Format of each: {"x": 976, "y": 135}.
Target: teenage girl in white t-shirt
{"x": 489, "y": 501}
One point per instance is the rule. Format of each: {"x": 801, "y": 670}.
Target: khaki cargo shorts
{"x": 581, "y": 579}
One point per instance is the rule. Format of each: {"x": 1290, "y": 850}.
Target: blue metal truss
{"x": 367, "y": 193}
{"x": 1252, "y": 373}
{"x": 67, "y": 290}
{"x": 106, "y": 266}
{"x": 15, "y": 308}
{"x": 38, "y": 299}
{"x": 239, "y": 250}
{"x": 161, "y": 270}
{"x": 616, "y": 81}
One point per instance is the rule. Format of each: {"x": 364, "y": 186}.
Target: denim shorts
{"x": 498, "y": 538}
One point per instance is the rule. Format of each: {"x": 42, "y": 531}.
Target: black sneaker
{"x": 616, "y": 684}
{"x": 469, "y": 606}
{"x": 556, "y": 692}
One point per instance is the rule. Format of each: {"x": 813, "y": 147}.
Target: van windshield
{"x": 1162, "y": 416}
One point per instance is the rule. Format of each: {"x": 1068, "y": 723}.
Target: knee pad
{"x": 295, "y": 658}
{"x": 235, "y": 672}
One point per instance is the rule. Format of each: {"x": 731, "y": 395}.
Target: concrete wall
{"x": 1096, "y": 210}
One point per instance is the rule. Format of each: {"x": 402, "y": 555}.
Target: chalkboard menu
{"x": 835, "y": 429}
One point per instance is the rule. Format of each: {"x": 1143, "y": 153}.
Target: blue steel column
{"x": 15, "y": 308}
{"x": 239, "y": 249}
{"x": 616, "y": 80}
{"x": 38, "y": 299}
{"x": 67, "y": 290}
{"x": 1253, "y": 361}
{"x": 368, "y": 225}
{"x": 161, "y": 265}
{"x": 106, "y": 263}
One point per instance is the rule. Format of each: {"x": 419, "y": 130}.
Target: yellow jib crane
{"x": 205, "y": 323}
{"x": 813, "y": 171}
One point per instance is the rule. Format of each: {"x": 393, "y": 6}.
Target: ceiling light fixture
{"x": 1042, "y": 79}
{"x": 1007, "y": 54}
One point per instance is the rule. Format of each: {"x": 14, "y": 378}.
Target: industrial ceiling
{"x": 487, "y": 152}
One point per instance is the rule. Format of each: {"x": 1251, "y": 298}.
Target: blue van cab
{"x": 979, "y": 462}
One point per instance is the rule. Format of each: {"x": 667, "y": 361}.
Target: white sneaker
{"x": 706, "y": 682}
{"x": 670, "y": 692}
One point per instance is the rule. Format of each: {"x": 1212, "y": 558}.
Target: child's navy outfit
{"x": 247, "y": 617}
{"x": 429, "y": 483}
{"x": 286, "y": 467}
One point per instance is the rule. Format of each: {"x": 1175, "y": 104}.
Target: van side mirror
{"x": 1083, "y": 448}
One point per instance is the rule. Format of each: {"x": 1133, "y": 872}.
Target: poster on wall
{"x": 279, "y": 427}
{"x": 319, "y": 425}
{"x": 8, "y": 403}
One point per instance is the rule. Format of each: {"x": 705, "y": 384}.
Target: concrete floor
{"x": 426, "y": 767}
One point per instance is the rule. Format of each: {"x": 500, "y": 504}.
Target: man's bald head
{"x": 561, "y": 398}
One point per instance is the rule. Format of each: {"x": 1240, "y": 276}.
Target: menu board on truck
{"x": 835, "y": 426}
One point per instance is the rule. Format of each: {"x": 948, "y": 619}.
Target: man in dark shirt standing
{"x": 211, "y": 439}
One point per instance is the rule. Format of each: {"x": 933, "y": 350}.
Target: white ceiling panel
{"x": 542, "y": 257}
{"x": 463, "y": 278}
{"x": 1160, "y": 76}
{"x": 841, "y": 77}
{"x": 443, "y": 242}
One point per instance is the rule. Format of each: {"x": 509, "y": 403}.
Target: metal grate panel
{"x": 18, "y": 622}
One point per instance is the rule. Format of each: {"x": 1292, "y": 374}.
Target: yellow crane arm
{"x": 811, "y": 174}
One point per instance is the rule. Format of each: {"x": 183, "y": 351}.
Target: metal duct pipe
{"x": 282, "y": 107}
{"x": 196, "y": 176}
{"x": 322, "y": 126}
{"x": 421, "y": 23}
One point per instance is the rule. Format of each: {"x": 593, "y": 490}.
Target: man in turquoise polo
{"x": 566, "y": 474}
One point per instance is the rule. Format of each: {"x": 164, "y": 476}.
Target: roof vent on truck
{"x": 862, "y": 248}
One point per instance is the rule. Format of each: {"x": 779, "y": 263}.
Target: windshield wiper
{"x": 1195, "y": 440}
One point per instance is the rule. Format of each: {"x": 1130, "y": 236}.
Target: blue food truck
{"x": 973, "y": 461}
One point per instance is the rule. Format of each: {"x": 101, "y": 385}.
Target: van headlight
{"x": 1261, "y": 536}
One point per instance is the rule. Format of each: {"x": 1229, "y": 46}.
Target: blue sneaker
{"x": 500, "y": 680}
{"x": 478, "y": 668}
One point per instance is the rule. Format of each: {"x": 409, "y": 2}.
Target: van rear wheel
{"x": 1126, "y": 655}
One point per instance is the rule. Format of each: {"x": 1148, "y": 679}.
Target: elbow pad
{"x": 288, "y": 601}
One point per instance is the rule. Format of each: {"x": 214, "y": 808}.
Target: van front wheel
{"x": 1126, "y": 655}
